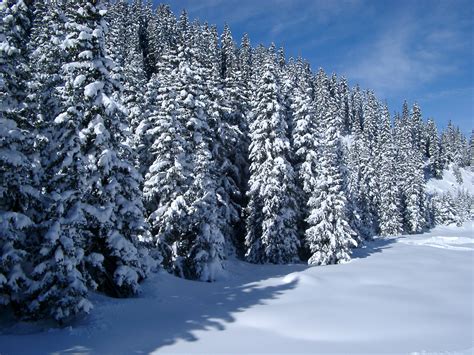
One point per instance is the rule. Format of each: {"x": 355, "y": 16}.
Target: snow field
{"x": 411, "y": 294}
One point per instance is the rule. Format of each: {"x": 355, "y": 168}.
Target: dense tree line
{"x": 131, "y": 139}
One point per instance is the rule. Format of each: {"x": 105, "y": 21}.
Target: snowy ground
{"x": 449, "y": 182}
{"x": 412, "y": 294}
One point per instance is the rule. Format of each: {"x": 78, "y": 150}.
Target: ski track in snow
{"x": 404, "y": 295}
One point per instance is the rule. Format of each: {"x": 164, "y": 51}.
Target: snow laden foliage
{"x": 169, "y": 173}
{"x": 19, "y": 196}
{"x": 109, "y": 202}
{"x": 181, "y": 189}
{"x": 93, "y": 228}
{"x": 272, "y": 210}
{"x": 304, "y": 138}
{"x": 389, "y": 203}
{"x": 200, "y": 248}
{"x": 410, "y": 163}
{"x": 329, "y": 236}
{"x": 131, "y": 138}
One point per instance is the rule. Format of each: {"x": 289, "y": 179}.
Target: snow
{"x": 19, "y": 220}
{"x": 79, "y": 80}
{"x": 13, "y": 157}
{"x": 91, "y": 89}
{"x": 125, "y": 275}
{"x": 449, "y": 183}
{"x": 84, "y": 36}
{"x": 410, "y": 294}
{"x": 61, "y": 117}
{"x": 86, "y": 55}
{"x": 347, "y": 140}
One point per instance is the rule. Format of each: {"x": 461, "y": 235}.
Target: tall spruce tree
{"x": 272, "y": 210}
{"x": 304, "y": 141}
{"x": 389, "y": 205}
{"x": 19, "y": 195}
{"x": 95, "y": 187}
{"x": 201, "y": 244}
{"x": 58, "y": 288}
{"x": 329, "y": 236}
{"x": 169, "y": 173}
{"x": 432, "y": 149}
{"x": 411, "y": 176}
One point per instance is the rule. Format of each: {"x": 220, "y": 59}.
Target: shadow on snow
{"x": 170, "y": 310}
{"x": 374, "y": 246}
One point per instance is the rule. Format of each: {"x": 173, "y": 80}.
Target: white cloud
{"x": 404, "y": 56}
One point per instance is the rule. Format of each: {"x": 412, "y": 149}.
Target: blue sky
{"x": 419, "y": 50}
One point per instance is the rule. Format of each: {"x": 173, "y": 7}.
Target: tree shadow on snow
{"x": 169, "y": 310}
{"x": 373, "y": 247}
{"x": 219, "y": 309}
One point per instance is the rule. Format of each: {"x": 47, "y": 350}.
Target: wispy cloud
{"x": 449, "y": 93}
{"x": 391, "y": 64}
{"x": 407, "y": 54}
{"x": 275, "y": 18}
{"x": 303, "y": 14}
{"x": 232, "y": 11}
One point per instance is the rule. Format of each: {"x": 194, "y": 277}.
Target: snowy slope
{"x": 411, "y": 294}
{"x": 449, "y": 183}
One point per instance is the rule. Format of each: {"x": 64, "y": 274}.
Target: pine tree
{"x": 200, "y": 247}
{"x": 410, "y": 165}
{"x": 153, "y": 44}
{"x": 417, "y": 128}
{"x": 432, "y": 149}
{"x": 447, "y": 150}
{"x": 288, "y": 78}
{"x": 355, "y": 189}
{"x": 133, "y": 95}
{"x": 147, "y": 20}
{"x": 464, "y": 206}
{"x": 204, "y": 258}
{"x": 444, "y": 209}
{"x": 45, "y": 63}
{"x": 95, "y": 187}
{"x": 389, "y": 205}
{"x": 345, "y": 106}
{"x": 329, "y": 236}
{"x": 181, "y": 185}
{"x": 169, "y": 172}
{"x": 226, "y": 113}
{"x": 19, "y": 196}
{"x": 356, "y": 115}
{"x": 369, "y": 190}
{"x": 116, "y": 37}
{"x": 57, "y": 289}
{"x": 225, "y": 116}
{"x": 245, "y": 61}
{"x": 271, "y": 231}
{"x": 304, "y": 138}
{"x": 167, "y": 32}
{"x": 471, "y": 150}
{"x": 228, "y": 53}
{"x": 351, "y": 180}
